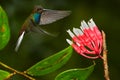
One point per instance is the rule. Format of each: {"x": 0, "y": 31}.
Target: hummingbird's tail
{"x": 19, "y": 41}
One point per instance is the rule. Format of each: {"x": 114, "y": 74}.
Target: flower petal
{"x": 70, "y": 33}
{"x": 69, "y": 42}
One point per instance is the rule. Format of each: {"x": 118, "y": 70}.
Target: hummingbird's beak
{"x": 19, "y": 41}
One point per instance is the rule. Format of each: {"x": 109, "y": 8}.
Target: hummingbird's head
{"x": 38, "y": 9}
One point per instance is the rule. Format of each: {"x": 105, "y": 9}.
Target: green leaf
{"x": 4, "y": 74}
{"x": 75, "y": 74}
{"x": 51, "y": 63}
{"x": 4, "y": 29}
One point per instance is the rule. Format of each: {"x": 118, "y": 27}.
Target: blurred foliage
{"x": 4, "y": 29}
{"x": 4, "y": 74}
{"x": 75, "y": 74}
{"x": 36, "y": 47}
{"x": 51, "y": 63}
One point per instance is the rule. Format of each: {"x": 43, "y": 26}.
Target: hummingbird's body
{"x": 30, "y": 22}
{"x": 39, "y": 17}
{"x": 25, "y": 26}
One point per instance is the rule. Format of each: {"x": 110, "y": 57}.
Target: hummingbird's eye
{"x": 39, "y": 10}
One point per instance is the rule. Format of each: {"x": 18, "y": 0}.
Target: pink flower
{"x": 87, "y": 41}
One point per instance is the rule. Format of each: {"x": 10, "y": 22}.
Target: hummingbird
{"x": 38, "y": 17}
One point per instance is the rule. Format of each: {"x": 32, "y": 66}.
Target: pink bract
{"x": 87, "y": 41}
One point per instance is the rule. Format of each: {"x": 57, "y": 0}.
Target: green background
{"x": 36, "y": 46}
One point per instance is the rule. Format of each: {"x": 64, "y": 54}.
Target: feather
{"x": 19, "y": 41}
{"x": 49, "y": 16}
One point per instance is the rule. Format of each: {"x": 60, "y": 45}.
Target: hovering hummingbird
{"x": 40, "y": 16}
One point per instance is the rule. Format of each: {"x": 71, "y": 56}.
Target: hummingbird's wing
{"x": 49, "y": 16}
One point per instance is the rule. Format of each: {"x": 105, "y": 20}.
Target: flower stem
{"x": 15, "y": 71}
{"x": 105, "y": 62}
